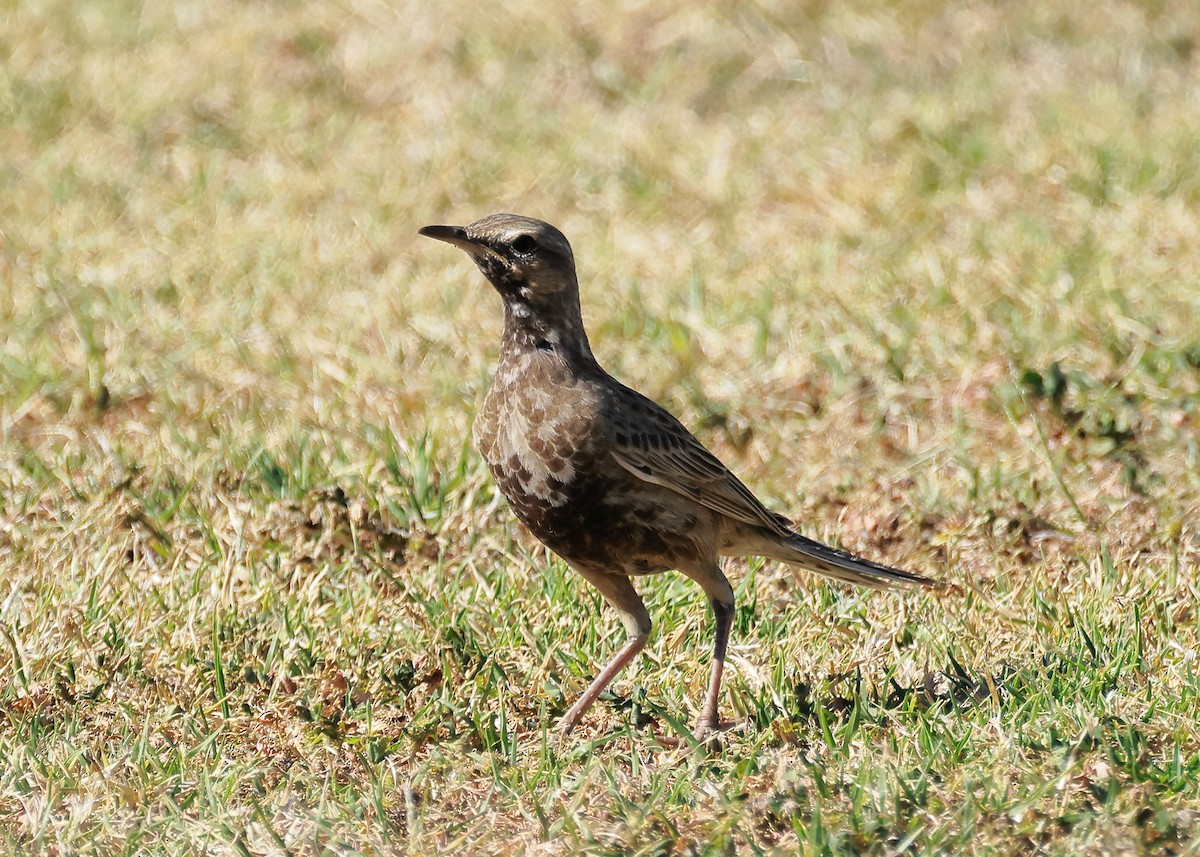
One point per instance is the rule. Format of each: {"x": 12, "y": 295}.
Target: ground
{"x": 925, "y": 275}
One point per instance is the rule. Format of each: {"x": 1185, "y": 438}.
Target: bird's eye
{"x": 524, "y": 244}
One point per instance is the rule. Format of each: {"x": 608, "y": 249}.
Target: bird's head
{"x": 525, "y": 259}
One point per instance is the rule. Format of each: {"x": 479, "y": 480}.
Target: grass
{"x": 927, "y": 276}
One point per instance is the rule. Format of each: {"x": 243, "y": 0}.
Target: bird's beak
{"x": 455, "y": 235}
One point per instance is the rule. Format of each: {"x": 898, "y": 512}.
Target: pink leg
{"x": 618, "y": 592}
{"x": 720, "y": 597}
{"x": 723, "y": 619}
{"x": 620, "y": 660}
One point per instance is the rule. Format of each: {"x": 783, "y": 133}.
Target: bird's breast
{"x": 537, "y": 433}
{"x": 547, "y": 446}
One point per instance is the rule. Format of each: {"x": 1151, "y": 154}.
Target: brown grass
{"x": 926, "y": 276}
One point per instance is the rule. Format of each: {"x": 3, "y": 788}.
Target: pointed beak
{"x": 455, "y": 235}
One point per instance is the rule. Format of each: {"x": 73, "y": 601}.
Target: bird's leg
{"x": 722, "y": 620}
{"x": 720, "y": 596}
{"x": 618, "y": 591}
{"x": 626, "y": 654}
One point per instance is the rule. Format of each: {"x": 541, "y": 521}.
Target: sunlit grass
{"x": 926, "y": 277}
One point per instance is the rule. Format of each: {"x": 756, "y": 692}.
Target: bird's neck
{"x": 555, "y": 327}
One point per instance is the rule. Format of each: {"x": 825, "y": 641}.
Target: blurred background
{"x": 925, "y": 274}
{"x": 209, "y": 209}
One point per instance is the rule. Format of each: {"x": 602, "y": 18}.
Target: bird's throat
{"x": 555, "y": 328}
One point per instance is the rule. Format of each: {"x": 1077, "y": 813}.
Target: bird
{"x": 605, "y": 477}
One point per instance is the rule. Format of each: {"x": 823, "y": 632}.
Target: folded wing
{"x": 658, "y": 449}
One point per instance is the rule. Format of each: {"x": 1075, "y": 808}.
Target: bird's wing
{"x": 654, "y": 446}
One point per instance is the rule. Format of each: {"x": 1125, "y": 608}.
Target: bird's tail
{"x": 805, "y": 553}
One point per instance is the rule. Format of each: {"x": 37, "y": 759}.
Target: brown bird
{"x": 605, "y": 477}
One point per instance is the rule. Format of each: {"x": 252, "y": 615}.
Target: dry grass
{"x": 927, "y": 276}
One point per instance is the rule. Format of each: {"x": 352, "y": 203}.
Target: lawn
{"x": 925, "y": 275}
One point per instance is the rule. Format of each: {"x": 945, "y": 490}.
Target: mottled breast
{"x": 545, "y": 439}
{"x": 538, "y": 434}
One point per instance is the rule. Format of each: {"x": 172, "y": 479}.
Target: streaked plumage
{"x": 605, "y": 477}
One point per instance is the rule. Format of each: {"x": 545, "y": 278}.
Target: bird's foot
{"x": 565, "y": 727}
{"x": 707, "y": 731}
{"x": 705, "y": 734}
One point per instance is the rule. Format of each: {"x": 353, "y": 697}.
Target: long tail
{"x": 805, "y": 553}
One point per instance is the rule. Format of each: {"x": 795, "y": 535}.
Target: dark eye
{"x": 524, "y": 244}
